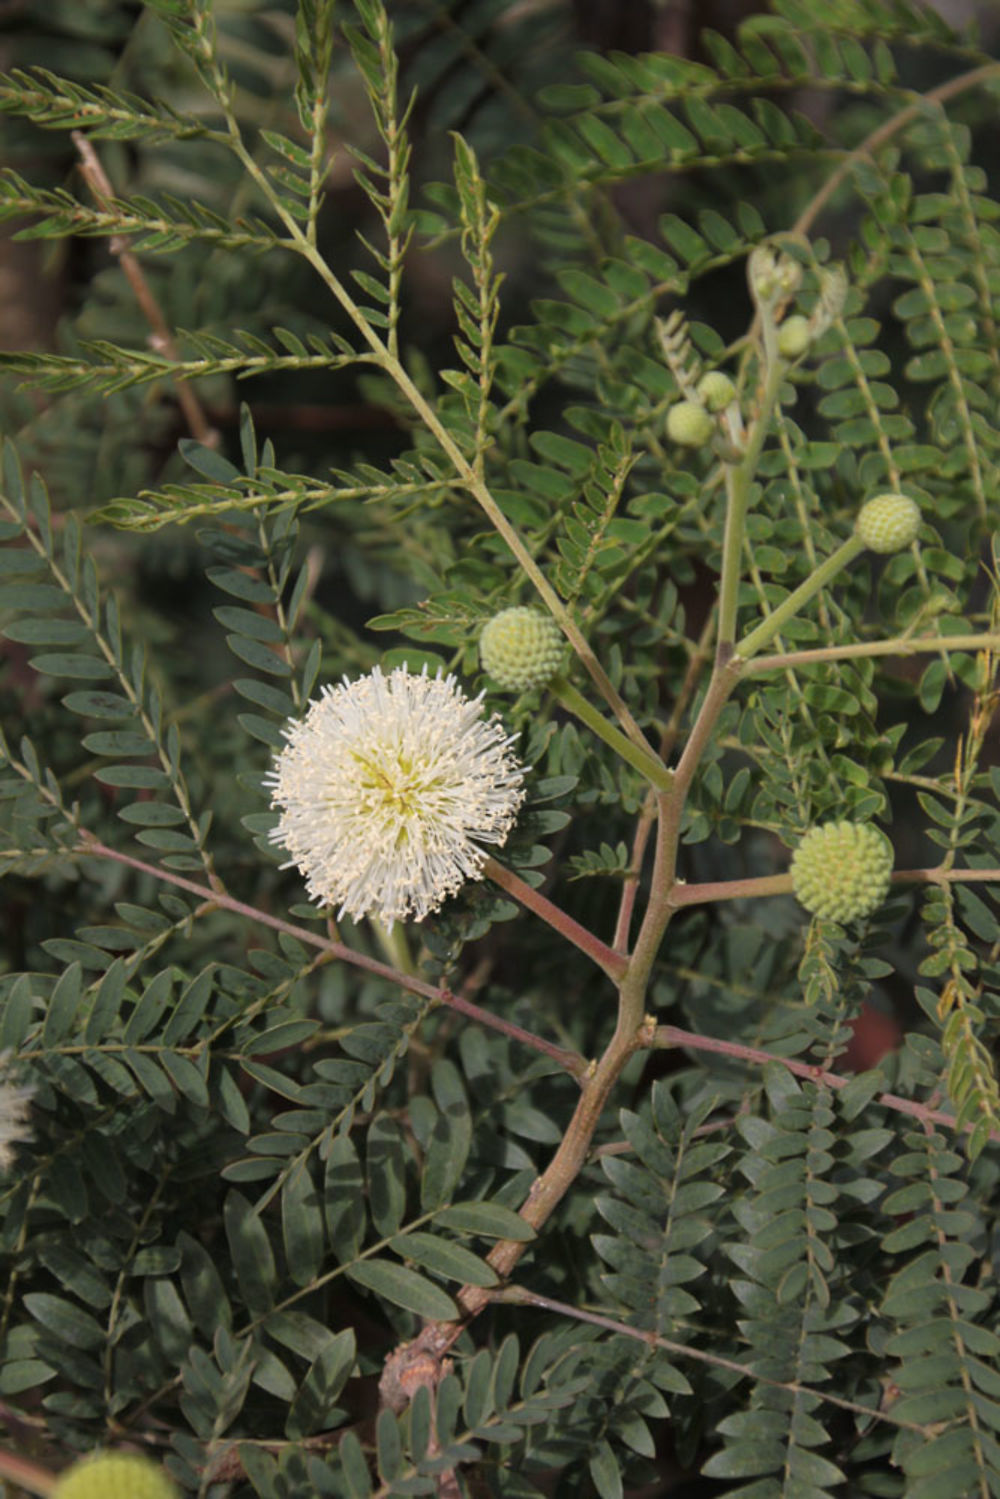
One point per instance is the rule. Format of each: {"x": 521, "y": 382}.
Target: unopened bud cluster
{"x": 794, "y": 336}
{"x": 690, "y": 423}
{"x": 841, "y": 870}
{"x": 521, "y": 648}
{"x": 888, "y": 523}
{"x": 775, "y": 278}
{"x": 716, "y": 391}
{"x": 114, "y": 1475}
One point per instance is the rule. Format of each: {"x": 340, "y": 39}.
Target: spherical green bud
{"x": 842, "y": 870}
{"x": 114, "y": 1475}
{"x": 689, "y": 424}
{"x": 888, "y": 523}
{"x": 716, "y": 390}
{"x": 794, "y": 336}
{"x": 521, "y": 648}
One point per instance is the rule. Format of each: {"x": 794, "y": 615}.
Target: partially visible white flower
{"x": 14, "y": 1102}
{"x": 387, "y": 787}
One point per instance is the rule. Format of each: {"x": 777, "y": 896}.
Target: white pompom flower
{"x": 387, "y": 788}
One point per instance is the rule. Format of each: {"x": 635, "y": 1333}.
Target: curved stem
{"x": 739, "y": 478}
{"x": 521, "y": 1296}
{"x": 464, "y": 468}
{"x": 162, "y": 340}
{"x": 885, "y": 132}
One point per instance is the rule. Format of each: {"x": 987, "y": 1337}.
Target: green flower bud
{"x": 689, "y": 424}
{"x": 794, "y": 336}
{"x": 841, "y": 870}
{"x": 521, "y": 648}
{"x": 114, "y": 1475}
{"x": 772, "y": 276}
{"x": 716, "y": 390}
{"x": 888, "y": 523}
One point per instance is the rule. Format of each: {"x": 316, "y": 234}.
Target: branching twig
{"x": 671, "y": 1035}
{"x": 521, "y": 1296}
{"x": 162, "y": 339}
{"x": 212, "y": 899}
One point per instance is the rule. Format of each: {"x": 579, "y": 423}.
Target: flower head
{"x": 114, "y": 1475}
{"x": 689, "y": 424}
{"x": 387, "y": 787}
{"x": 888, "y": 523}
{"x": 842, "y": 870}
{"x": 14, "y": 1101}
{"x": 521, "y": 648}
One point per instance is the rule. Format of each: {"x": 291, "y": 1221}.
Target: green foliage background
{"x": 254, "y": 1169}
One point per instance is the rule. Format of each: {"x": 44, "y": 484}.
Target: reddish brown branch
{"x": 671, "y": 1035}
{"x": 781, "y": 884}
{"x": 214, "y": 899}
{"x": 162, "y": 338}
{"x": 24, "y": 1474}
{"x": 521, "y": 1296}
{"x": 613, "y": 963}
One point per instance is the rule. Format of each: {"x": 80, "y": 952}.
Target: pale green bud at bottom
{"x": 114, "y": 1475}
{"x": 794, "y": 336}
{"x": 689, "y": 424}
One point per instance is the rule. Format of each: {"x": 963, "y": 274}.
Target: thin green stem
{"x": 716, "y": 890}
{"x": 790, "y": 606}
{"x": 481, "y": 493}
{"x": 739, "y": 478}
{"x": 392, "y": 941}
{"x": 646, "y": 763}
{"x": 900, "y": 645}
